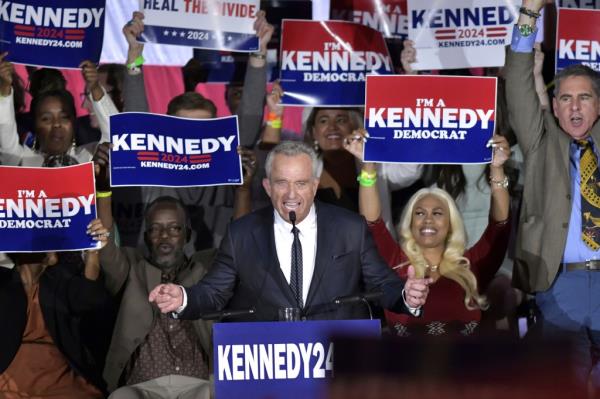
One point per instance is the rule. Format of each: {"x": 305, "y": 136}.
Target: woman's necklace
{"x": 432, "y": 268}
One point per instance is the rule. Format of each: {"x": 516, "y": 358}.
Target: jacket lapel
{"x": 325, "y": 231}
{"x": 267, "y": 252}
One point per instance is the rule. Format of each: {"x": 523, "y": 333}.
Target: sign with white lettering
{"x": 429, "y": 119}
{"x": 163, "y": 150}
{"x": 461, "y": 33}
{"x": 579, "y": 4}
{"x": 387, "y": 16}
{"x": 46, "y": 209}
{"x": 208, "y": 24}
{"x": 578, "y": 38}
{"x": 280, "y": 359}
{"x": 52, "y": 33}
{"x": 326, "y": 62}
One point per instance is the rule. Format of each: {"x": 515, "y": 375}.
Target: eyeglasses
{"x": 156, "y": 230}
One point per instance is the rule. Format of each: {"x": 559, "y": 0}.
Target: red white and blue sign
{"x": 578, "y": 38}
{"x": 52, "y": 33}
{"x": 162, "y": 150}
{"x": 325, "y": 63}
{"x": 429, "y": 119}
{"x": 287, "y": 360}
{"x": 207, "y": 24}
{"x": 387, "y": 16}
{"x": 590, "y": 4}
{"x": 46, "y": 209}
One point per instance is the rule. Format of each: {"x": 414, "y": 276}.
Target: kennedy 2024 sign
{"x": 52, "y": 33}
{"x": 209, "y": 24}
{"x": 46, "y": 209}
{"x": 163, "y": 150}
{"x": 577, "y": 38}
{"x": 291, "y": 360}
{"x": 326, "y": 62}
{"x": 429, "y": 119}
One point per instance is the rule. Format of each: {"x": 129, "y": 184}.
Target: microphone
{"x": 361, "y": 297}
{"x": 292, "y": 216}
{"x": 225, "y": 314}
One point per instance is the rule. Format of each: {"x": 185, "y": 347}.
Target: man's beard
{"x": 168, "y": 262}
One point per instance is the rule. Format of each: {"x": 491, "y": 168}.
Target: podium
{"x": 280, "y": 359}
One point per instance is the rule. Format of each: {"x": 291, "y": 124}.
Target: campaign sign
{"x": 326, "y": 62}
{"x": 163, "y": 150}
{"x": 460, "y": 33}
{"x": 280, "y": 359}
{"x": 46, "y": 209}
{"x": 579, "y": 3}
{"x": 208, "y": 24}
{"x": 429, "y": 119}
{"x": 578, "y": 42}
{"x": 52, "y": 33}
{"x": 387, "y": 16}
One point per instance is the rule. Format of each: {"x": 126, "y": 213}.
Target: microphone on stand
{"x": 225, "y": 314}
{"x": 363, "y": 297}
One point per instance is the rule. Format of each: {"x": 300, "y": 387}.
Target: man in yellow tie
{"x": 557, "y": 248}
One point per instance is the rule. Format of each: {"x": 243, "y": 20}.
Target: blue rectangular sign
{"x": 162, "y": 150}
{"x": 52, "y": 33}
{"x": 280, "y": 359}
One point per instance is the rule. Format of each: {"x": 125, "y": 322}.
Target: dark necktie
{"x": 590, "y": 201}
{"x": 296, "y": 272}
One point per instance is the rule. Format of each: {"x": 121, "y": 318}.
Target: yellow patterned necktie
{"x": 590, "y": 201}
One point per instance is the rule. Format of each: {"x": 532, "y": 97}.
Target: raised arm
{"x": 11, "y": 152}
{"x": 101, "y": 102}
{"x": 134, "y": 91}
{"x": 369, "y": 203}
{"x": 250, "y": 109}
{"x": 499, "y": 209}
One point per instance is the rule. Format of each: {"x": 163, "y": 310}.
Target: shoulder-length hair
{"x": 454, "y": 265}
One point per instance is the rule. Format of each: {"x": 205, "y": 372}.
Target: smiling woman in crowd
{"x": 433, "y": 242}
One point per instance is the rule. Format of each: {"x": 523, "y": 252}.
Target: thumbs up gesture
{"x": 416, "y": 289}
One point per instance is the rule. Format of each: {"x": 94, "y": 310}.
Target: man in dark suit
{"x": 255, "y": 266}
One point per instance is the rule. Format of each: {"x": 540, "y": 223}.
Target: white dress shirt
{"x": 284, "y": 238}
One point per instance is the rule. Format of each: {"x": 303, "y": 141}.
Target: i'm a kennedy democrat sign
{"x": 46, "y": 209}
{"x": 387, "y": 16}
{"x": 208, "y": 24}
{"x": 162, "y": 150}
{"x": 291, "y": 360}
{"x": 577, "y": 38}
{"x": 429, "y": 119}
{"x": 326, "y": 62}
{"x": 52, "y": 33}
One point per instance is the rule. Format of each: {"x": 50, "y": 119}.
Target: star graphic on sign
{"x": 229, "y": 38}
{"x": 174, "y": 33}
{"x": 166, "y": 33}
{"x": 182, "y": 34}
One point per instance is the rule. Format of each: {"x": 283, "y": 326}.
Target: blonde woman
{"x": 432, "y": 240}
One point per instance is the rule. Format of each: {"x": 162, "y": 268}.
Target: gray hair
{"x": 577, "y": 70}
{"x": 292, "y": 149}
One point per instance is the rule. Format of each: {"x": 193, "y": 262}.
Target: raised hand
{"x": 416, "y": 289}
{"x": 168, "y": 297}
{"x": 132, "y": 30}
{"x": 354, "y": 143}
{"x": 101, "y": 161}
{"x": 408, "y": 56}
{"x": 501, "y": 150}
{"x": 248, "y": 164}
{"x": 98, "y": 232}
{"x": 92, "y": 82}
{"x": 274, "y": 99}
{"x": 6, "y": 75}
{"x": 264, "y": 31}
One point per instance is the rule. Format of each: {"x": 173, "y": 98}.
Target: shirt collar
{"x": 309, "y": 221}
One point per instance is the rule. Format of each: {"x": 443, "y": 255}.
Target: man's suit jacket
{"x": 126, "y": 270}
{"x": 64, "y": 298}
{"x": 246, "y": 272}
{"x": 546, "y": 207}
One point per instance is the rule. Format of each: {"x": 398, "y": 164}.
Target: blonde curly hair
{"x": 454, "y": 265}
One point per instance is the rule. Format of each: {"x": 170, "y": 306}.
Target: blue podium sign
{"x": 280, "y": 359}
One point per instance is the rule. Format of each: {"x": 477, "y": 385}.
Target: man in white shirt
{"x": 262, "y": 265}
